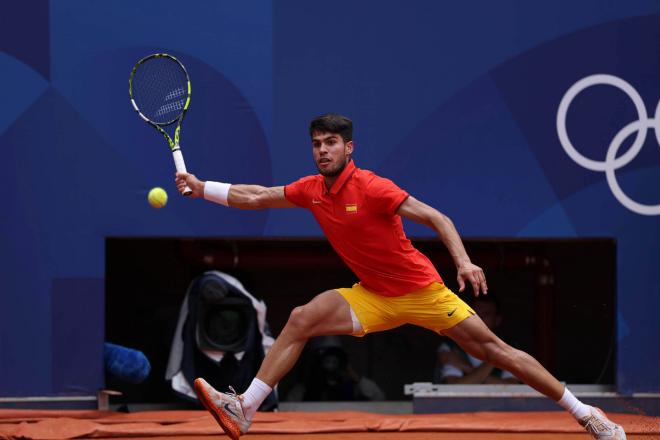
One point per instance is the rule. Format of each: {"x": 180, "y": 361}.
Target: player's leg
{"x": 473, "y": 336}
{"x": 327, "y": 314}
{"x": 437, "y": 308}
{"x": 479, "y": 341}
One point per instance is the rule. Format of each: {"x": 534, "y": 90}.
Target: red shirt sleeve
{"x": 298, "y": 192}
{"x": 385, "y": 196}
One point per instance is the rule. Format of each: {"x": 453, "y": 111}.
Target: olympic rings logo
{"x": 612, "y": 162}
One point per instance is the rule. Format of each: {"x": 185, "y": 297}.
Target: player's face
{"x": 330, "y": 153}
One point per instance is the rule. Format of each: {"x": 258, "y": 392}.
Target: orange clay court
{"x": 180, "y": 425}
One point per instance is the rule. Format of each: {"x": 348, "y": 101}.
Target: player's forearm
{"x": 449, "y": 236}
{"x": 235, "y": 196}
{"x": 245, "y": 196}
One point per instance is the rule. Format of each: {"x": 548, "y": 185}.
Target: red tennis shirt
{"x": 358, "y": 216}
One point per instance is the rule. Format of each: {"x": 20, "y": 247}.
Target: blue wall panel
{"x": 455, "y": 102}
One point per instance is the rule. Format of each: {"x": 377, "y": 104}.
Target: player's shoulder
{"x": 365, "y": 176}
{"x": 313, "y": 179}
{"x": 302, "y": 191}
{"x": 370, "y": 179}
{"x": 308, "y": 185}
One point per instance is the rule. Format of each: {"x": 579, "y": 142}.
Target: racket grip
{"x": 181, "y": 168}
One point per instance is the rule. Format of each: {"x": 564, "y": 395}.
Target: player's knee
{"x": 517, "y": 359}
{"x": 500, "y": 354}
{"x": 299, "y": 322}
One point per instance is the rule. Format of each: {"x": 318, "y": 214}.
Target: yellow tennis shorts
{"x": 434, "y": 307}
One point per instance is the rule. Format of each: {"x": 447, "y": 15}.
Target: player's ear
{"x": 348, "y": 148}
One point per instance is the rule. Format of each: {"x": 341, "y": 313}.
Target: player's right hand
{"x": 196, "y": 185}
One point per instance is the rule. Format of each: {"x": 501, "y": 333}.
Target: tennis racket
{"x": 159, "y": 88}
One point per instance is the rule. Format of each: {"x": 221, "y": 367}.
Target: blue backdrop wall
{"x": 459, "y": 103}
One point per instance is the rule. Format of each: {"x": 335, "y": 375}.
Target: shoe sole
{"x": 228, "y": 425}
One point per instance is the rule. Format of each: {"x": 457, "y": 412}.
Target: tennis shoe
{"x": 600, "y": 427}
{"x": 226, "y": 408}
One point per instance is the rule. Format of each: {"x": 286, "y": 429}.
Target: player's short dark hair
{"x": 332, "y": 123}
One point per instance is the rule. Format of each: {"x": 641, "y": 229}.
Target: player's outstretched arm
{"x": 236, "y": 196}
{"x": 419, "y": 212}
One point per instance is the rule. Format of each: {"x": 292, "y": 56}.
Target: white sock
{"x": 254, "y": 397}
{"x": 571, "y": 404}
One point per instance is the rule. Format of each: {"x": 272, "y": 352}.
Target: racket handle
{"x": 181, "y": 168}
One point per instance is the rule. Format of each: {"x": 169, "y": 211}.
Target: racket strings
{"x": 160, "y": 89}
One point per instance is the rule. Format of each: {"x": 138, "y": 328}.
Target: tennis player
{"x": 360, "y": 214}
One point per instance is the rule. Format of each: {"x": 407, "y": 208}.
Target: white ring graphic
{"x": 612, "y": 162}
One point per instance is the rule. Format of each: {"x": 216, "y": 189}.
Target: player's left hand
{"x": 474, "y": 275}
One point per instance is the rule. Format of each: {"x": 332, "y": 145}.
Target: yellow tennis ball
{"x": 157, "y": 197}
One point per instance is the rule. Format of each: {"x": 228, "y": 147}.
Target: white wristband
{"x": 217, "y": 192}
